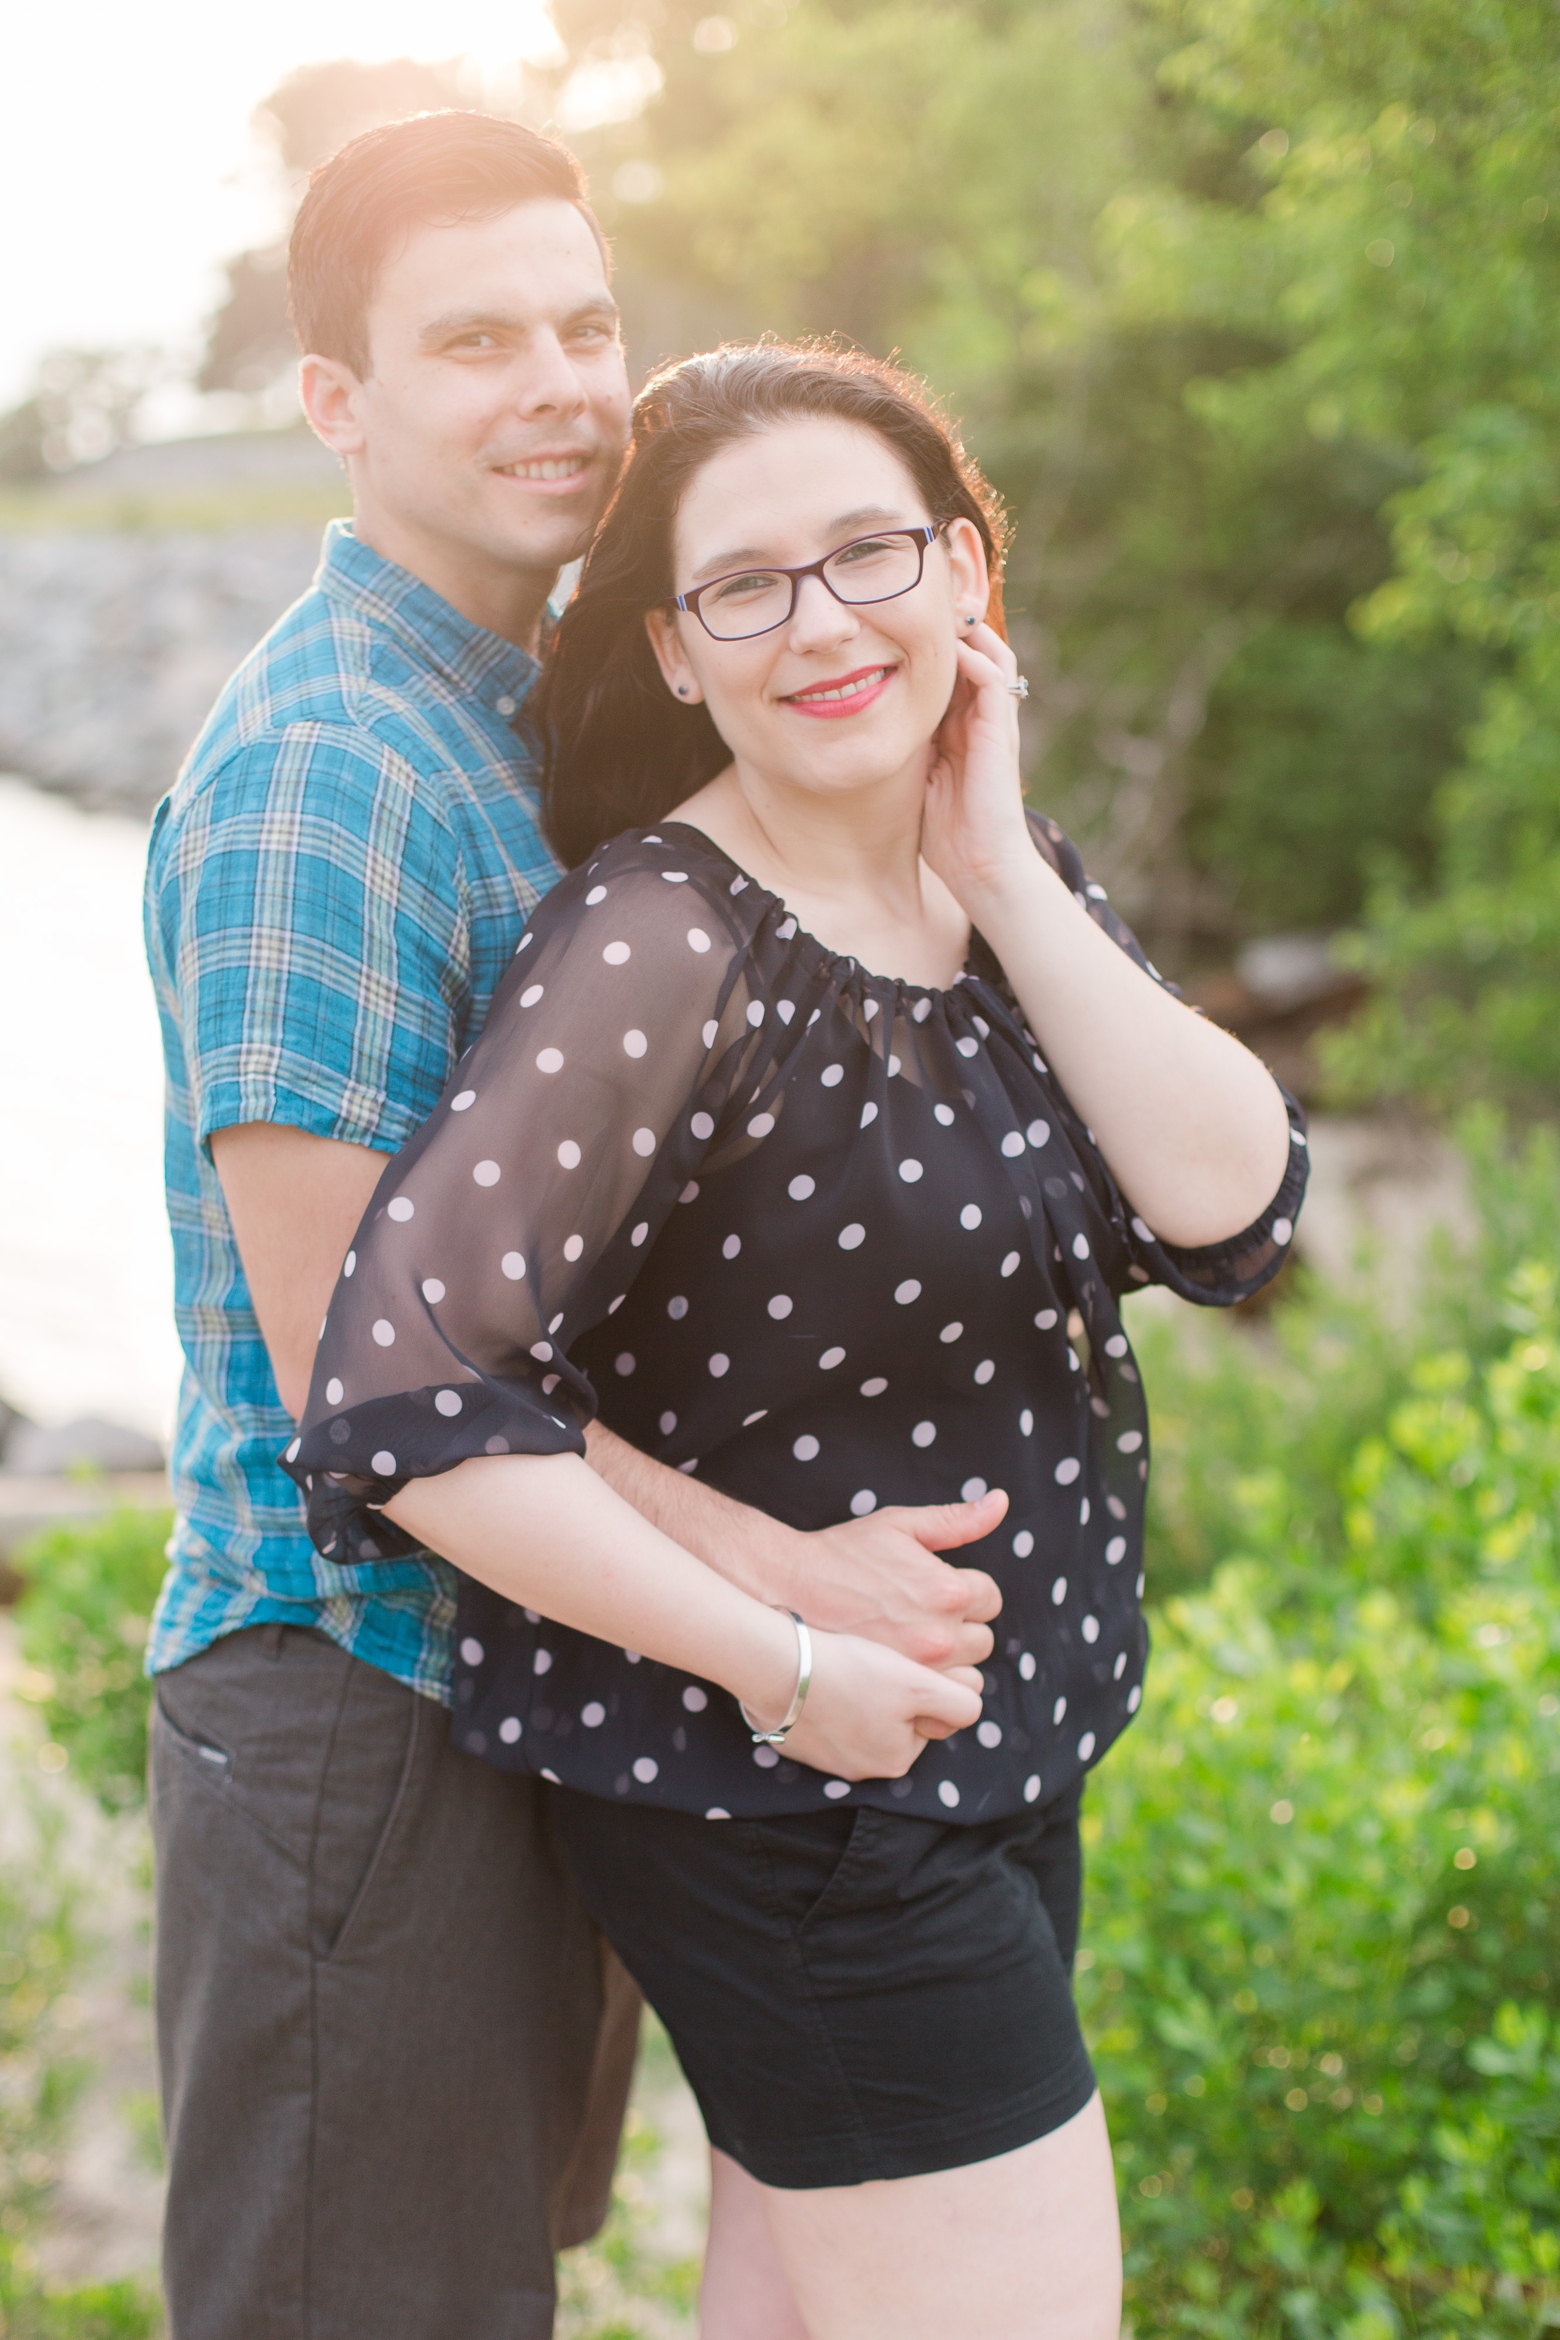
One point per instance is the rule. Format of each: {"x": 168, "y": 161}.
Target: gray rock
{"x": 1288, "y": 971}
{"x": 11, "y": 1419}
{"x": 219, "y": 461}
{"x": 31, "y": 1451}
{"x": 114, "y": 643}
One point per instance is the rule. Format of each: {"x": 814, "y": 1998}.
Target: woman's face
{"x": 841, "y": 697}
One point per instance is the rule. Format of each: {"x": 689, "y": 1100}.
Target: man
{"x": 389, "y": 2084}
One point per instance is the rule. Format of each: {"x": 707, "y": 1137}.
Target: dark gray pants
{"x": 388, "y": 2085}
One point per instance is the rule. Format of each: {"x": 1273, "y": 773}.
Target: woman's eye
{"x": 740, "y": 588}
{"x": 870, "y": 548}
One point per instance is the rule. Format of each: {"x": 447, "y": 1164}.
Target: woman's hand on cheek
{"x": 973, "y": 832}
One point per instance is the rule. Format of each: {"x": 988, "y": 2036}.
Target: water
{"x": 86, "y": 1280}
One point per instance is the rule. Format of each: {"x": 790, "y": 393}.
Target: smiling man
{"x": 380, "y": 2007}
{"x": 393, "y": 2056}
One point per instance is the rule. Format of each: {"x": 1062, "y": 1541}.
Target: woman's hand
{"x": 973, "y": 831}
{"x": 870, "y": 1712}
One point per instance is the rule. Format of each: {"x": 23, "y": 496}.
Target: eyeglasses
{"x": 756, "y": 601}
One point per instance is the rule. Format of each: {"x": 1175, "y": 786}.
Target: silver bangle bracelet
{"x": 793, "y": 1713}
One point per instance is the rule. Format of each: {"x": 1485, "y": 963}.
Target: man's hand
{"x": 878, "y": 1577}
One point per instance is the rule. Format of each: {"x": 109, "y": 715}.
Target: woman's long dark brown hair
{"x": 617, "y": 749}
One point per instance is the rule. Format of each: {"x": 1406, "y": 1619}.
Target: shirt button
{"x": 505, "y": 706}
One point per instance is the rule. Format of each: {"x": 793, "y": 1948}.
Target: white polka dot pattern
{"x": 655, "y": 1198}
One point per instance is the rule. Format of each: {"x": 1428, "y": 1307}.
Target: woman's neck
{"x": 848, "y": 866}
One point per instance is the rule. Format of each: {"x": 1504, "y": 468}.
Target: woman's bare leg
{"x": 1022, "y": 2247}
{"x": 745, "y": 2294}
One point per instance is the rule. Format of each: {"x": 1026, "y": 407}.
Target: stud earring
{"x": 682, "y": 690}
{"x": 969, "y": 621}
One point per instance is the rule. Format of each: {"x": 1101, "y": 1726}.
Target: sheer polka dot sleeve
{"x": 518, "y": 1217}
{"x": 1218, "y": 1274}
{"x": 1064, "y": 857}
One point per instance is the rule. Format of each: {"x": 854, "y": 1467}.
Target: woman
{"x": 814, "y": 1134}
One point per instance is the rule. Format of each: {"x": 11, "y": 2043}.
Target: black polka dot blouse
{"x": 825, "y": 1240}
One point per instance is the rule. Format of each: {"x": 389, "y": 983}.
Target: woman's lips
{"x": 845, "y": 694}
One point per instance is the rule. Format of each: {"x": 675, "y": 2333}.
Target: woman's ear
{"x": 666, "y": 642}
{"x": 970, "y": 576}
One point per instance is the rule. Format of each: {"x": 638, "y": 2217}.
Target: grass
{"x": 39, "y": 512}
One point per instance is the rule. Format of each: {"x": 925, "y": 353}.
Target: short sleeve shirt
{"x": 336, "y": 883}
{"x": 823, "y": 1239}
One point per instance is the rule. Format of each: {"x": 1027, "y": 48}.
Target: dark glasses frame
{"x": 922, "y": 537}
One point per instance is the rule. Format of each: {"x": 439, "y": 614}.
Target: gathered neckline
{"x": 843, "y": 960}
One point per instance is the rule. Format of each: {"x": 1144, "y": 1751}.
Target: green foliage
{"x": 1250, "y": 307}
{"x": 1277, "y": 814}
{"x": 83, "y": 1619}
{"x": 1410, "y": 250}
{"x": 985, "y": 186}
{"x": 622, "y": 2286}
{"x": 93, "y": 2311}
{"x": 38, "y": 1950}
{"x": 40, "y": 1957}
{"x": 1323, "y": 1961}
{"x": 1263, "y": 1443}
{"x": 1320, "y": 1971}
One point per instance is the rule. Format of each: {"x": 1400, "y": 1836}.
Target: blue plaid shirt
{"x": 336, "y": 884}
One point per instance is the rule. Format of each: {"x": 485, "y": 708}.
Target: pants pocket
{"x": 211, "y": 1761}
{"x": 817, "y": 1861}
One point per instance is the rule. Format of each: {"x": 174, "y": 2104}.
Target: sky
{"x": 129, "y": 171}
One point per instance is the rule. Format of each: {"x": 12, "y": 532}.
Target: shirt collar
{"x": 476, "y": 661}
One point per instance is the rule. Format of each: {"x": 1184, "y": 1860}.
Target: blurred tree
{"x": 970, "y": 184}
{"x": 306, "y": 117}
{"x": 1410, "y": 243}
{"x": 82, "y": 405}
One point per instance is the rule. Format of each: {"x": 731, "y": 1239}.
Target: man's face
{"x": 495, "y": 410}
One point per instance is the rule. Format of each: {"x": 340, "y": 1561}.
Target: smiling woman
{"x": 821, "y": 1099}
{"x": 619, "y": 749}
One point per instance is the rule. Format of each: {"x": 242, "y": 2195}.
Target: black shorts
{"x": 852, "y": 1994}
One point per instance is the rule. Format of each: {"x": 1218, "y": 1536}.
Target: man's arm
{"x": 878, "y": 1577}
{"x": 295, "y": 1201}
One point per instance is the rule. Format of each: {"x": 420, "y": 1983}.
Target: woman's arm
{"x": 296, "y": 1200}
{"x": 548, "y": 1534}
{"x": 1191, "y": 1124}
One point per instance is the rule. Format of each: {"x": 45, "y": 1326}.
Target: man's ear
{"x": 332, "y": 395}
{"x": 666, "y": 642}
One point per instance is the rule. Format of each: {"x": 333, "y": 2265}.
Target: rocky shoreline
{"x": 114, "y": 643}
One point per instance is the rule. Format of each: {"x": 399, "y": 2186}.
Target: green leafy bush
{"x": 93, "y": 2311}
{"x": 1322, "y": 1964}
{"x": 1323, "y": 1944}
{"x": 90, "y": 1590}
{"x": 41, "y": 1954}
{"x": 38, "y": 1952}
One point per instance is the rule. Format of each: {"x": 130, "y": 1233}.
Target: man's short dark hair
{"x": 425, "y": 172}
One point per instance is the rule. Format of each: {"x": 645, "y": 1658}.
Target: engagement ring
{"x": 1020, "y": 689}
